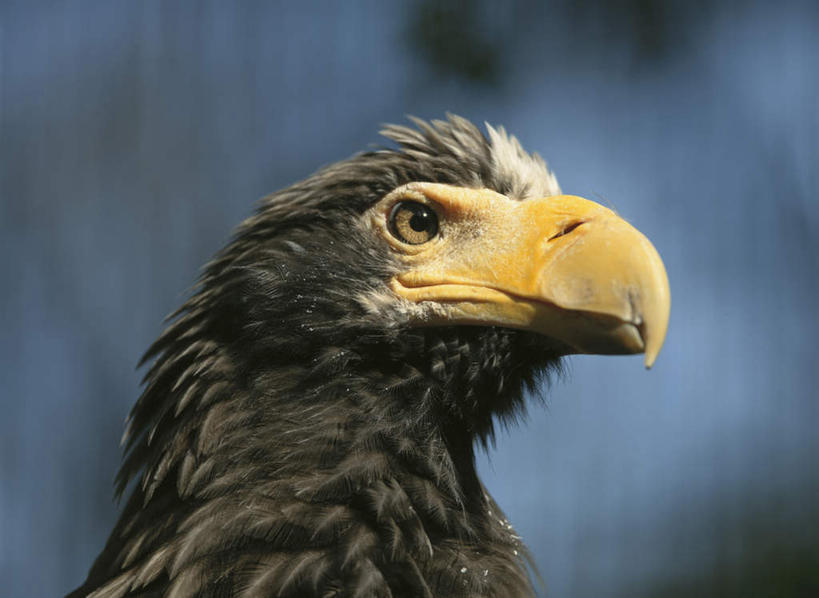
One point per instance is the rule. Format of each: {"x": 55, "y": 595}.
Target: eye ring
{"x": 413, "y": 222}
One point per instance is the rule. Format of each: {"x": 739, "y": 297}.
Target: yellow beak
{"x": 561, "y": 266}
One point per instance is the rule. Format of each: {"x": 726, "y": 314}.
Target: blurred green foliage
{"x": 452, "y": 38}
{"x": 471, "y": 39}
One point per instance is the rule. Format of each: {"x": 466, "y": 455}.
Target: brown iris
{"x": 413, "y": 222}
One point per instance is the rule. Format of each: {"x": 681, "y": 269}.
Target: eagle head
{"x": 308, "y": 423}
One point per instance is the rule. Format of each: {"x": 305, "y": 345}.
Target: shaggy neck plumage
{"x": 352, "y": 463}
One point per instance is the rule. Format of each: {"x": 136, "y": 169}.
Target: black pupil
{"x": 413, "y": 222}
{"x": 420, "y": 220}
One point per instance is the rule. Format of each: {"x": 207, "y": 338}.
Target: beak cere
{"x": 561, "y": 266}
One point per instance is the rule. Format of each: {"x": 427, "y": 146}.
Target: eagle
{"x": 309, "y": 421}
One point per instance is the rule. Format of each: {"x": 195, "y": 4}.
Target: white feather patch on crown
{"x": 528, "y": 173}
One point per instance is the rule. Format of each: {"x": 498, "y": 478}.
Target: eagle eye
{"x": 413, "y": 222}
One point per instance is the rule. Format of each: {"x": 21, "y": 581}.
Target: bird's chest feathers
{"x": 341, "y": 499}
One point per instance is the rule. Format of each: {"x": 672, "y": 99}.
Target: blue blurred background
{"x": 135, "y": 135}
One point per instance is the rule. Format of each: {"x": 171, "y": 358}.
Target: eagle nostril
{"x": 567, "y": 230}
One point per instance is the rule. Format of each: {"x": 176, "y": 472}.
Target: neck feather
{"x": 349, "y": 477}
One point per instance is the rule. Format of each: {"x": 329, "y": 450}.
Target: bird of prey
{"x": 309, "y": 421}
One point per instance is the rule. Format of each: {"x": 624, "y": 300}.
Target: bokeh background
{"x": 135, "y": 135}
